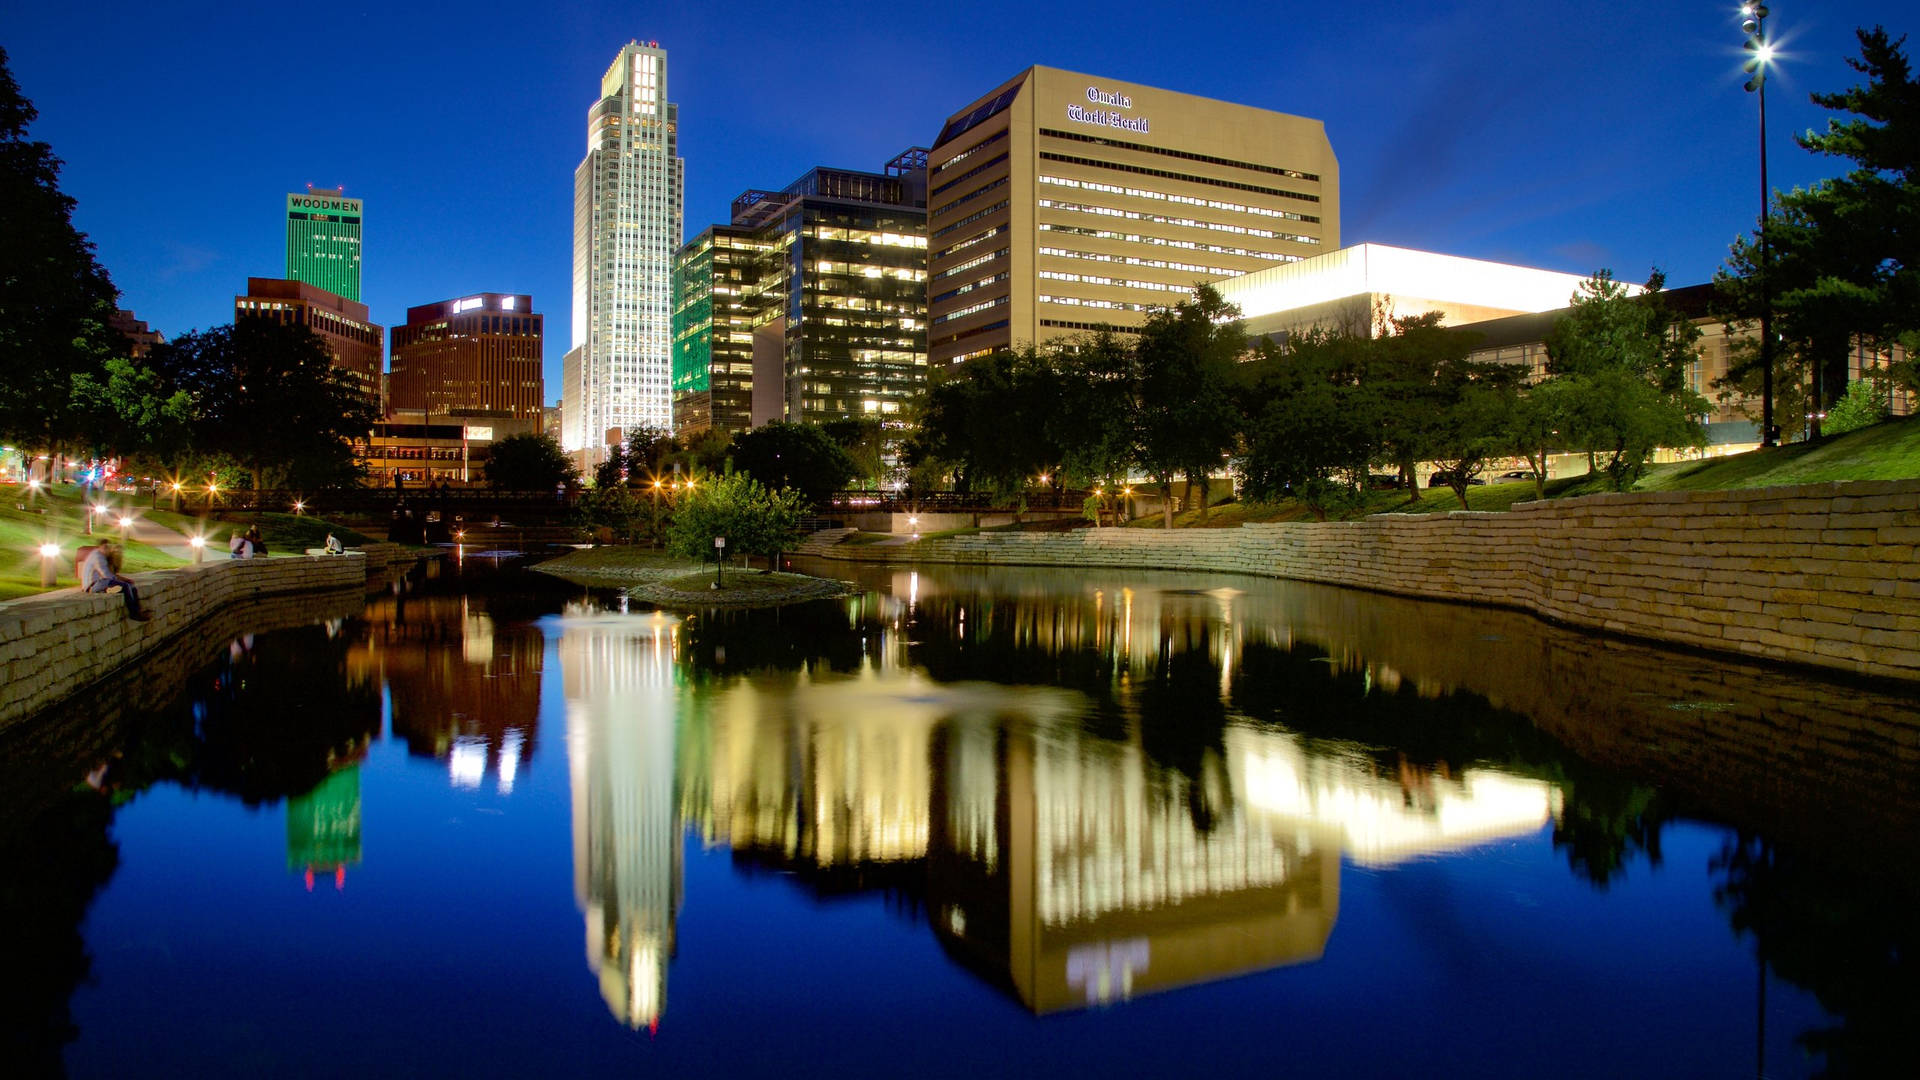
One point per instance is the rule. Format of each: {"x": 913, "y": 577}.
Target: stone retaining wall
{"x": 56, "y": 644}
{"x": 1821, "y": 574}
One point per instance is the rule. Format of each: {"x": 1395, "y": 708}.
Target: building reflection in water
{"x": 323, "y": 828}
{"x": 463, "y": 685}
{"x": 1060, "y": 787}
{"x": 619, "y": 674}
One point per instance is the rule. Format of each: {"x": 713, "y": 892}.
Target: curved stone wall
{"x": 1821, "y": 574}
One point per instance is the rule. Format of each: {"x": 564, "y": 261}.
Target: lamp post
{"x": 126, "y": 527}
{"x": 1759, "y": 54}
{"x": 199, "y": 545}
{"x": 48, "y": 553}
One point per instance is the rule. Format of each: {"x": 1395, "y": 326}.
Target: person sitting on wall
{"x": 101, "y": 571}
{"x": 254, "y": 538}
{"x": 334, "y": 546}
{"x": 239, "y": 546}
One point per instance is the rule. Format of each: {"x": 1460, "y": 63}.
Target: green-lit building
{"x": 323, "y": 241}
{"x": 810, "y": 305}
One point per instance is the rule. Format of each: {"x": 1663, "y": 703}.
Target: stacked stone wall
{"x": 1820, "y": 574}
{"x": 56, "y": 644}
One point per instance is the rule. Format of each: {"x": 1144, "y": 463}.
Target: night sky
{"x": 1549, "y": 135}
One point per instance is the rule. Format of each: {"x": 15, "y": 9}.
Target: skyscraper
{"x": 812, "y": 305}
{"x": 323, "y": 241}
{"x": 477, "y": 352}
{"x": 627, "y": 208}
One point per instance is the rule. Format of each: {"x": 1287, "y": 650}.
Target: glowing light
{"x": 48, "y": 551}
{"x": 126, "y": 522}
{"x": 197, "y": 541}
{"x": 298, "y": 506}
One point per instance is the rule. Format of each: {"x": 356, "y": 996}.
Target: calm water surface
{"x": 964, "y": 823}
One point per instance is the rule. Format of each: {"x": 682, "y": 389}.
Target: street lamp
{"x": 199, "y": 545}
{"x": 1759, "y": 54}
{"x": 48, "y": 553}
{"x": 126, "y": 526}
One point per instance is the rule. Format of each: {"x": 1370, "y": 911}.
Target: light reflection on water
{"x": 1087, "y": 789}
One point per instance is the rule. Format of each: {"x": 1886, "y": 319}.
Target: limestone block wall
{"x": 1821, "y": 574}
{"x": 55, "y": 644}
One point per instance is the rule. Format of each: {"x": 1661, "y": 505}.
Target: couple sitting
{"x": 99, "y": 571}
{"x": 247, "y": 544}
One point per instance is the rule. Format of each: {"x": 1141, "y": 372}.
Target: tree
{"x": 985, "y": 422}
{"x": 1306, "y": 433}
{"x": 1187, "y": 416}
{"x": 55, "y": 299}
{"x": 1622, "y": 362}
{"x": 754, "y": 519}
{"x": 1840, "y": 259}
{"x": 528, "y": 462}
{"x": 864, "y": 439}
{"x": 1092, "y": 424}
{"x": 796, "y": 456}
{"x": 1863, "y": 405}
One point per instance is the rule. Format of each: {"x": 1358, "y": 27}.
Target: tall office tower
{"x": 627, "y": 211}
{"x": 810, "y": 306}
{"x": 356, "y": 342}
{"x": 475, "y": 353}
{"x": 323, "y": 241}
{"x": 1062, "y": 203}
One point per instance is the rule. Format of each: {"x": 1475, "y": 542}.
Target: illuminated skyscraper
{"x": 323, "y": 240}
{"x": 627, "y": 211}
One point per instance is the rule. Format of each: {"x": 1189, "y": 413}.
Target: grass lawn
{"x": 1432, "y": 501}
{"x": 285, "y": 534}
{"x": 618, "y": 557}
{"x": 23, "y": 528}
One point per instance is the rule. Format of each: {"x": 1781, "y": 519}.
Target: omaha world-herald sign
{"x": 1115, "y": 115}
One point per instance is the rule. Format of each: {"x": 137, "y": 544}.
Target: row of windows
{"x": 1159, "y": 219}
{"x": 1134, "y": 260}
{"x": 966, "y": 311}
{"x": 1190, "y": 200}
{"x": 971, "y": 263}
{"x": 1064, "y": 324}
{"x": 969, "y": 152}
{"x": 970, "y": 241}
{"x": 974, "y": 194}
{"x": 1075, "y": 301}
{"x": 971, "y": 218}
{"x": 1294, "y": 174}
{"x": 1183, "y": 177}
{"x": 983, "y": 328}
{"x": 975, "y": 171}
{"x": 972, "y": 285}
{"x": 1128, "y": 283}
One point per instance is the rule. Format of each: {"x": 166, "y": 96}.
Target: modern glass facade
{"x": 627, "y": 222}
{"x": 811, "y": 305}
{"x": 323, "y": 241}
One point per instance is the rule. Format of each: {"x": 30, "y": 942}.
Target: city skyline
{"x": 1496, "y": 132}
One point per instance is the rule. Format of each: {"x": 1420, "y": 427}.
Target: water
{"x": 965, "y": 823}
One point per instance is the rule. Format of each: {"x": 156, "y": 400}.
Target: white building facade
{"x": 628, "y": 209}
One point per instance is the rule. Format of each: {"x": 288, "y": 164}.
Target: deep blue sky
{"x": 1561, "y": 136}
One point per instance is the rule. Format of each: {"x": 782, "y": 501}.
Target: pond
{"x": 963, "y": 822}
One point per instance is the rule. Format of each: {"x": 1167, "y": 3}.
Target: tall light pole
{"x": 1759, "y": 55}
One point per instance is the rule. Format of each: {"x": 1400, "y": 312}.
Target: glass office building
{"x": 627, "y": 222}
{"x": 810, "y": 305}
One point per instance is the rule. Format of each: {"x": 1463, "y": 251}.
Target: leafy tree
{"x": 1187, "y": 415}
{"x": 1864, "y": 404}
{"x": 528, "y": 463}
{"x": 55, "y": 299}
{"x": 797, "y": 456}
{"x": 1092, "y": 424}
{"x": 1304, "y": 436}
{"x": 1538, "y": 416}
{"x": 864, "y": 439}
{"x": 1621, "y": 361}
{"x": 754, "y": 519}
{"x": 1841, "y": 259}
{"x": 986, "y": 421}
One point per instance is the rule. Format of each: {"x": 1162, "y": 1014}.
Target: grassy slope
{"x": 1889, "y": 451}
{"x": 23, "y": 529}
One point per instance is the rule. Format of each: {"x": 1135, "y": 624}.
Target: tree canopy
{"x": 528, "y": 462}
{"x": 801, "y": 457}
{"x": 55, "y": 299}
{"x": 754, "y": 519}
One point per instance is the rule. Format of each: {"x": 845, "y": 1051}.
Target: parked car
{"x": 1445, "y": 479}
{"x": 1383, "y": 481}
{"x": 1517, "y": 474}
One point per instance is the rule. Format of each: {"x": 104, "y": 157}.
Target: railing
{"x": 886, "y": 501}
{"x": 467, "y": 502}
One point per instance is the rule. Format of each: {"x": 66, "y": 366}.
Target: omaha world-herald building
{"x": 1061, "y": 203}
